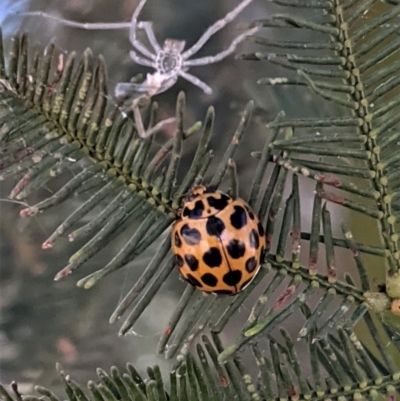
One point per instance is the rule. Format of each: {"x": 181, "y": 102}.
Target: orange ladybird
{"x": 217, "y": 241}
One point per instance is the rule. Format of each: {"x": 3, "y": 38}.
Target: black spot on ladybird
{"x": 196, "y": 212}
{"x": 260, "y": 229}
{"x": 177, "y": 240}
{"x": 232, "y": 278}
{"x": 192, "y": 280}
{"x": 191, "y": 236}
{"x": 209, "y": 279}
{"x": 223, "y": 292}
{"x": 179, "y": 260}
{"x": 251, "y": 214}
{"x": 192, "y": 262}
{"x": 236, "y": 249}
{"x": 251, "y": 264}
{"x": 214, "y": 226}
{"x": 238, "y": 217}
{"x": 212, "y": 258}
{"x": 220, "y": 203}
{"x": 254, "y": 239}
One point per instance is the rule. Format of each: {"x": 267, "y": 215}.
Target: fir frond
{"x": 341, "y": 366}
{"x": 351, "y": 135}
{"x": 360, "y": 131}
{"x": 355, "y": 68}
{"x": 52, "y": 113}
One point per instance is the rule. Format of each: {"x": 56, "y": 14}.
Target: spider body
{"x": 169, "y": 62}
{"x": 169, "y": 59}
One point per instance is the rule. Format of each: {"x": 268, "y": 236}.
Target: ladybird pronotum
{"x": 217, "y": 242}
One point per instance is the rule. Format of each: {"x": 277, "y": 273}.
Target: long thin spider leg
{"x": 196, "y": 81}
{"x": 89, "y": 26}
{"x": 133, "y": 29}
{"x": 134, "y": 20}
{"x": 140, "y": 60}
{"x": 126, "y": 90}
{"x": 223, "y": 54}
{"x": 215, "y": 28}
{"x": 148, "y": 27}
{"x": 139, "y": 122}
{"x": 159, "y": 126}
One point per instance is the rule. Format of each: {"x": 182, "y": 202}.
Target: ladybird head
{"x": 198, "y": 191}
{"x": 193, "y": 193}
{"x": 202, "y": 202}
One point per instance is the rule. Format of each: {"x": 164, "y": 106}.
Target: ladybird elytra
{"x": 217, "y": 241}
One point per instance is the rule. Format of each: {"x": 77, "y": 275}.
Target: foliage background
{"x": 41, "y": 317}
{"x": 42, "y": 323}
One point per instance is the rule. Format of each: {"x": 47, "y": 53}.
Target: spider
{"x": 169, "y": 61}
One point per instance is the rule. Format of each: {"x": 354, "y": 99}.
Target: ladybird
{"x": 217, "y": 241}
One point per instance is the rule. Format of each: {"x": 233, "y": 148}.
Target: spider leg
{"x": 140, "y": 60}
{"x": 126, "y": 90}
{"x": 132, "y": 32}
{"x": 158, "y": 127}
{"x": 223, "y": 54}
{"x": 215, "y": 28}
{"x": 196, "y": 81}
{"x": 139, "y": 122}
{"x": 89, "y": 26}
{"x": 148, "y": 27}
